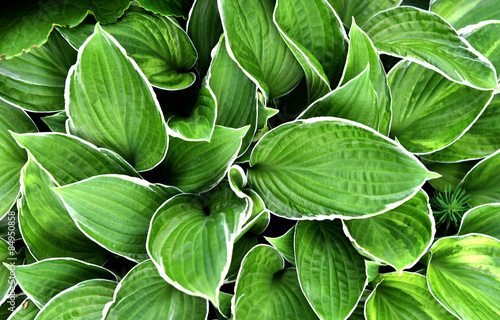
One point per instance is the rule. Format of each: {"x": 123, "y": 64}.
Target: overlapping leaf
{"x": 461, "y": 13}
{"x": 56, "y": 122}
{"x": 241, "y": 247}
{"x": 451, "y": 173}
{"x": 116, "y": 111}
{"x": 398, "y": 237}
{"x": 285, "y": 245}
{"x": 332, "y": 274}
{"x": 27, "y": 310}
{"x": 6, "y": 284}
{"x": 362, "y": 10}
{"x": 257, "y": 47}
{"x": 418, "y": 35}
{"x": 463, "y": 274}
{"x": 178, "y": 8}
{"x": 266, "y": 290}
{"x": 483, "y": 219}
{"x": 300, "y": 170}
{"x": 144, "y": 294}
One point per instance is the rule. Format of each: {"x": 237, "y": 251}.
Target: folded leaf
{"x": 428, "y": 39}
{"x": 461, "y": 13}
{"x": 144, "y": 294}
{"x": 484, "y": 219}
{"x": 362, "y": 10}
{"x": 178, "y": 8}
{"x": 404, "y": 296}
{"x": 332, "y": 273}
{"x": 118, "y": 112}
{"x": 257, "y": 47}
{"x": 285, "y": 245}
{"x": 300, "y": 170}
{"x": 266, "y": 290}
{"x": 399, "y": 237}
{"x": 463, "y": 274}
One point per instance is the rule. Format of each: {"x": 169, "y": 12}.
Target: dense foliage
{"x": 250, "y": 159}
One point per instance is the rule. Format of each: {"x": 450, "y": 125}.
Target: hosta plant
{"x": 250, "y": 159}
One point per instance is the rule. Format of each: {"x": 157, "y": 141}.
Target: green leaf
{"x": 482, "y": 182}
{"x": 362, "y": 53}
{"x": 461, "y": 13}
{"x": 332, "y": 273}
{"x": 7, "y": 221}
{"x": 42, "y": 280}
{"x": 56, "y": 122}
{"x": 26, "y": 25}
{"x": 482, "y": 38}
{"x": 429, "y": 111}
{"x": 256, "y": 45}
{"x": 356, "y": 100}
{"x": 27, "y": 310}
{"x": 12, "y": 158}
{"x": 85, "y": 300}
{"x": 191, "y": 239}
{"x": 241, "y": 247}
{"x": 204, "y": 29}
{"x": 70, "y": 159}
{"x": 299, "y": 169}
{"x": 265, "y": 290}
{"x": 451, "y": 173}
{"x": 224, "y": 310}
{"x": 484, "y": 219}
{"x": 362, "y": 10}
{"x": 8, "y": 258}
{"x": 178, "y": 8}
{"x": 320, "y": 46}
{"x": 399, "y": 237}
{"x": 93, "y": 203}
{"x": 404, "y": 296}
{"x": 237, "y": 103}
{"x": 143, "y": 294}
{"x": 42, "y": 73}
{"x": 46, "y": 227}
{"x": 463, "y": 274}
{"x": 359, "y": 312}
{"x": 120, "y": 113}
{"x": 284, "y": 244}
{"x": 418, "y": 35}
{"x": 197, "y": 166}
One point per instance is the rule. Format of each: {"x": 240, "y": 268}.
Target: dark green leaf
{"x": 361, "y": 10}
{"x": 285, "y": 245}
{"x": 56, "y": 122}
{"x": 178, "y": 8}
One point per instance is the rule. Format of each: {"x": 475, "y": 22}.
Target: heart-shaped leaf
{"x": 41, "y": 72}
{"x": 265, "y": 290}
{"x": 120, "y": 113}
{"x": 257, "y": 47}
{"x": 404, "y": 296}
{"x": 299, "y": 170}
{"x": 85, "y": 300}
{"x": 144, "y": 294}
{"x": 461, "y": 13}
{"x": 464, "y": 273}
{"x": 362, "y": 10}
{"x": 93, "y": 204}
{"x": 483, "y": 219}
{"x": 419, "y": 35}
{"x": 332, "y": 273}
{"x": 399, "y": 237}
{"x": 191, "y": 239}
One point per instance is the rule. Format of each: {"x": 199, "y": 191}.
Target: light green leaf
{"x": 114, "y": 211}
{"x": 418, "y": 35}
{"x": 429, "y": 111}
{"x": 116, "y": 111}
{"x": 284, "y": 245}
{"x": 482, "y": 182}
{"x": 362, "y": 10}
{"x": 56, "y": 122}
{"x": 27, "y": 310}
{"x": 404, "y": 296}
{"x": 464, "y": 273}
{"x": 320, "y": 45}
{"x": 70, "y": 159}
{"x": 42, "y": 280}
{"x": 83, "y": 301}
{"x": 265, "y": 290}
{"x": 484, "y": 219}
{"x": 362, "y": 53}
{"x": 356, "y": 100}
{"x": 451, "y": 173}
{"x": 26, "y": 25}
{"x": 299, "y": 169}
{"x": 482, "y": 38}
{"x": 42, "y": 73}
{"x": 332, "y": 273}
{"x": 46, "y": 226}
{"x": 236, "y": 103}
{"x": 178, "y": 8}
{"x": 8, "y": 259}
{"x": 144, "y": 294}
{"x": 241, "y": 247}
{"x": 191, "y": 239}
{"x": 12, "y": 157}
{"x": 399, "y": 237}
{"x": 256, "y": 45}
{"x": 204, "y": 29}
{"x": 461, "y": 13}
{"x": 197, "y": 166}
